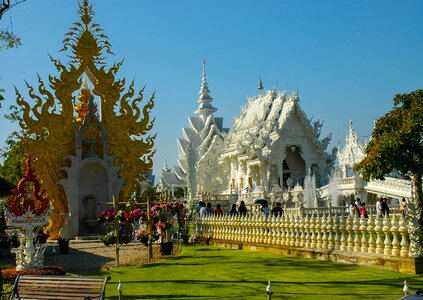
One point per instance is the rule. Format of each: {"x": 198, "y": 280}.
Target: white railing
{"x": 392, "y": 236}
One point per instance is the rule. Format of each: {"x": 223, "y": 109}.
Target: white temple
{"x": 272, "y": 151}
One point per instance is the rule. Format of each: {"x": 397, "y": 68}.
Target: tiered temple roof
{"x": 200, "y": 134}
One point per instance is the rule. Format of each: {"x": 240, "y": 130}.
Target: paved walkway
{"x": 86, "y": 256}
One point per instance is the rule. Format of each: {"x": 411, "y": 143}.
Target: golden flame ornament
{"x": 54, "y": 115}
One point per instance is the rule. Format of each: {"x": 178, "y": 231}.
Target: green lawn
{"x": 207, "y": 272}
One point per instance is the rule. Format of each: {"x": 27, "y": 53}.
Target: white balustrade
{"x": 363, "y": 229}
{"x": 404, "y": 243}
{"x": 395, "y": 240}
{"x": 370, "y": 230}
{"x": 315, "y": 229}
{"x": 386, "y": 229}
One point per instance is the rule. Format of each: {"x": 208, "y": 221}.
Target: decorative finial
{"x": 166, "y": 168}
{"x": 204, "y": 101}
{"x": 86, "y": 12}
{"x": 260, "y": 85}
{"x": 84, "y": 85}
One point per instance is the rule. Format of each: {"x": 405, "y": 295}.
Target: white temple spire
{"x": 260, "y": 85}
{"x": 204, "y": 101}
{"x": 166, "y": 168}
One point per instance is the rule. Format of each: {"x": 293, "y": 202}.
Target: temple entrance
{"x": 92, "y": 192}
{"x": 293, "y": 167}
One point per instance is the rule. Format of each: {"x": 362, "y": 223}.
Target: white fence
{"x": 392, "y": 236}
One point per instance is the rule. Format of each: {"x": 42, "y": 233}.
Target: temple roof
{"x": 170, "y": 179}
{"x": 261, "y": 121}
{"x": 352, "y": 152}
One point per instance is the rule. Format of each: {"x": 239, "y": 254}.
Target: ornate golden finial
{"x": 86, "y": 12}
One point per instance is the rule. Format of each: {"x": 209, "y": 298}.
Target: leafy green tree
{"x": 397, "y": 144}
{"x": 8, "y": 40}
{"x": 13, "y": 153}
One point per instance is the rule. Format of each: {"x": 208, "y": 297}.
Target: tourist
{"x": 209, "y": 209}
{"x": 385, "y": 207}
{"x": 199, "y": 205}
{"x": 218, "y": 211}
{"x": 353, "y": 209}
{"x": 242, "y": 209}
{"x": 265, "y": 210}
{"x": 363, "y": 211}
{"x": 203, "y": 210}
{"x": 358, "y": 205}
{"x": 233, "y": 211}
{"x": 379, "y": 208}
{"x": 403, "y": 207}
{"x": 277, "y": 211}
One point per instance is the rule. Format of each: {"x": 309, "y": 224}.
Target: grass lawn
{"x": 207, "y": 272}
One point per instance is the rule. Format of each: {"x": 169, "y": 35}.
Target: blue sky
{"x": 347, "y": 58}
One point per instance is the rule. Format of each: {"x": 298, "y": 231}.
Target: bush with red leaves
{"x": 9, "y": 275}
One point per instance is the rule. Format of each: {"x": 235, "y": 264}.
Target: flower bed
{"x": 9, "y": 275}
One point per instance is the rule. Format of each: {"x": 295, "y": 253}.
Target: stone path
{"x": 86, "y": 256}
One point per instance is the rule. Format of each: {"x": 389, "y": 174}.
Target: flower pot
{"x": 166, "y": 248}
{"x": 63, "y": 246}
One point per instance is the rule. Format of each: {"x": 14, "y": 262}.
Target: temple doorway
{"x": 92, "y": 193}
{"x": 293, "y": 167}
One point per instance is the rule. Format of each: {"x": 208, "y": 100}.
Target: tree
{"x": 7, "y": 38}
{"x": 397, "y": 144}
{"x": 13, "y": 154}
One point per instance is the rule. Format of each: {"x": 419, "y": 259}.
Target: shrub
{"x": 9, "y": 275}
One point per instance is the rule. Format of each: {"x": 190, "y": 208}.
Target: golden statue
{"x": 84, "y": 97}
{"x": 53, "y": 117}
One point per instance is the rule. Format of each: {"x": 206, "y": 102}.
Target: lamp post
{"x": 269, "y": 291}
{"x": 115, "y": 205}
{"x": 120, "y": 289}
{"x": 150, "y": 246}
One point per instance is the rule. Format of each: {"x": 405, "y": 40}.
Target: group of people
{"x": 202, "y": 209}
{"x": 276, "y": 211}
{"x": 358, "y": 208}
{"x": 382, "y": 208}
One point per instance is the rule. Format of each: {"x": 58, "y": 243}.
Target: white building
{"x": 272, "y": 144}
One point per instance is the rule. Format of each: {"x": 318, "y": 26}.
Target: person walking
{"x": 379, "y": 212}
{"x": 353, "y": 210}
{"x": 363, "y": 211}
{"x": 233, "y": 211}
{"x": 209, "y": 209}
{"x": 403, "y": 207}
{"x": 277, "y": 211}
{"x": 218, "y": 210}
{"x": 385, "y": 207}
{"x": 265, "y": 210}
{"x": 242, "y": 209}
